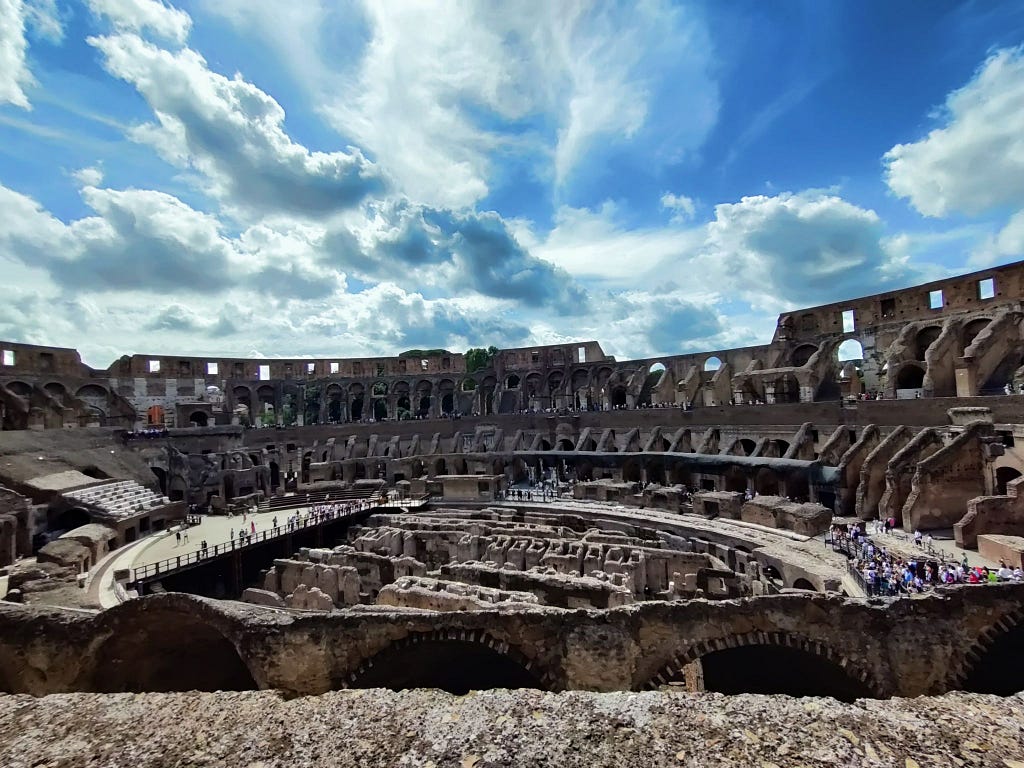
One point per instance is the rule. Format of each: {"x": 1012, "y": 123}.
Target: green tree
{"x": 478, "y": 358}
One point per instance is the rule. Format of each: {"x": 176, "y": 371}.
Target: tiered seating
{"x": 122, "y": 498}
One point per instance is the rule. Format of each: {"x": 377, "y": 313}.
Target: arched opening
{"x": 468, "y": 385}
{"x": 380, "y": 409}
{"x": 357, "y": 408}
{"x": 455, "y": 666}
{"x": 746, "y": 447}
{"x": 802, "y": 354}
{"x": 161, "y": 478}
{"x": 447, "y": 403}
{"x": 851, "y": 349}
{"x": 149, "y": 659}
{"x": 804, "y": 584}
{"x": 651, "y": 382}
{"x": 543, "y": 445}
{"x": 618, "y": 397}
{"x": 404, "y": 407}
{"x": 766, "y": 483}
{"x": 631, "y": 472}
{"x": 199, "y": 418}
{"x": 565, "y": 444}
{"x": 69, "y": 519}
{"x": 1000, "y": 668}
{"x": 93, "y": 471}
{"x": 440, "y": 467}
{"x": 656, "y": 473}
{"x": 1003, "y": 476}
{"x": 778, "y": 669}
{"x": 924, "y": 339}
{"x": 512, "y": 382}
{"x": 787, "y": 389}
{"x": 971, "y": 331}
{"x": 275, "y": 475}
{"x": 424, "y": 407}
{"x": 712, "y": 364}
{"x": 910, "y": 377}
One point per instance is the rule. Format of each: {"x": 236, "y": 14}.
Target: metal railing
{"x": 299, "y": 523}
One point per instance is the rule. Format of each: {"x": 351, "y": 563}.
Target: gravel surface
{"x": 505, "y": 728}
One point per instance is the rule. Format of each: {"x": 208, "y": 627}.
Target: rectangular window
{"x": 888, "y": 307}
{"x": 935, "y": 299}
{"x": 154, "y": 366}
{"x": 8, "y": 357}
{"x": 239, "y": 369}
{"x": 211, "y": 369}
{"x": 581, "y": 354}
{"x": 535, "y": 357}
{"x": 335, "y": 367}
{"x": 987, "y": 288}
{"x": 310, "y": 367}
{"x": 380, "y": 369}
{"x": 424, "y": 364}
{"x": 446, "y": 363}
{"x": 264, "y": 373}
{"x": 849, "y": 324}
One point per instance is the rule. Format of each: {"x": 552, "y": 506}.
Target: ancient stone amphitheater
{"x": 537, "y": 556}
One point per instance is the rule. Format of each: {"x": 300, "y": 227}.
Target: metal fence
{"x": 240, "y": 542}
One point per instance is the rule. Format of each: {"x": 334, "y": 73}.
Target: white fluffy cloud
{"x": 15, "y": 17}
{"x": 807, "y": 248}
{"x": 444, "y": 88}
{"x": 145, "y": 16}
{"x": 974, "y": 162}
{"x": 232, "y": 133}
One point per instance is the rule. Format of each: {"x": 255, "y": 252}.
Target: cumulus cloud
{"x": 145, "y": 15}
{"x": 974, "y": 162}
{"x": 233, "y": 134}
{"x": 807, "y": 248}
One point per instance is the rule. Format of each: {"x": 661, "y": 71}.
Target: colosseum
{"x": 480, "y": 555}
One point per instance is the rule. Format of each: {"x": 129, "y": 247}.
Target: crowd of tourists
{"x": 153, "y": 433}
{"x": 888, "y": 574}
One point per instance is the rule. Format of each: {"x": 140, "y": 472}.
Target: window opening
{"x": 935, "y": 299}
{"x": 986, "y": 288}
{"x": 849, "y": 323}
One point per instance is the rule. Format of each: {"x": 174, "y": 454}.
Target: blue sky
{"x": 251, "y": 177}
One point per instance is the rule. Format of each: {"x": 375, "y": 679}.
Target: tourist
{"x": 177, "y": 536}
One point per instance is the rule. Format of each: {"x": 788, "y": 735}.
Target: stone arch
{"x": 1005, "y": 475}
{"x": 200, "y": 418}
{"x": 851, "y": 349}
{"x": 826, "y": 673}
{"x": 468, "y": 384}
{"x": 55, "y": 389}
{"x": 20, "y": 388}
{"x": 565, "y": 444}
{"x": 994, "y": 662}
{"x": 618, "y": 396}
{"x": 924, "y": 339}
{"x": 512, "y": 381}
{"x": 805, "y": 585}
{"x": 971, "y": 330}
{"x": 802, "y": 354}
{"x": 87, "y": 392}
{"x": 451, "y": 660}
{"x": 712, "y": 363}
{"x": 141, "y": 656}
{"x": 910, "y": 376}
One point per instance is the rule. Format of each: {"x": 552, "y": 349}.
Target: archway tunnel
{"x": 455, "y": 666}
{"x": 778, "y": 669}
{"x": 149, "y": 659}
{"x": 999, "y": 669}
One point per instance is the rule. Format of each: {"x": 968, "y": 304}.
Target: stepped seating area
{"x": 362, "y": 491}
{"x": 120, "y": 499}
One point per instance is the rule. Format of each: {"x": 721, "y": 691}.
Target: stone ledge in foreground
{"x": 505, "y": 728}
